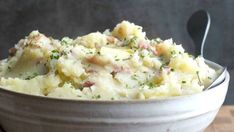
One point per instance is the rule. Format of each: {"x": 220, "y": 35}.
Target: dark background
{"x": 160, "y": 18}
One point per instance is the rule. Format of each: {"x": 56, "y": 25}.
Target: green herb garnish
{"x": 65, "y": 41}
{"x": 96, "y": 96}
{"x": 134, "y": 77}
{"x": 127, "y": 86}
{"x": 9, "y": 68}
{"x": 126, "y": 59}
{"x": 142, "y": 56}
{"x": 131, "y": 42}
{"x": 157, "y": 40}
{"x": 90, "y": 52}
{"x": 173, "y": 52}
{"x": 55, "y": 54}
{"x": 32, "y": 76}
{"x": 197, "y": 72}
{"x": 151, "y": 85}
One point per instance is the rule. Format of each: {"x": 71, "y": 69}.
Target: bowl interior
{"x": 218, "y": 68}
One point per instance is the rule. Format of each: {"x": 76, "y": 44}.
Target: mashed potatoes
{"x": 115, "y": 65}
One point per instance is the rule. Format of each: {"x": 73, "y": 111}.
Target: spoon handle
{"x": 205, "y": 34}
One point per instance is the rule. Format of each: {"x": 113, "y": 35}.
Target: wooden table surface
{"x": 224, "y": 121}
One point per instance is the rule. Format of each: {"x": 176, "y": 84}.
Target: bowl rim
{"x": 38, "y": 97}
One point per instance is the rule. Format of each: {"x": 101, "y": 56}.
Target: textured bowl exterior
{"x": 193, "y": 113}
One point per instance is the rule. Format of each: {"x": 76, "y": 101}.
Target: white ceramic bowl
{"x": 191, "y": 113}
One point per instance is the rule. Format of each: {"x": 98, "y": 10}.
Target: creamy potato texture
{"x": 120, "y": 64}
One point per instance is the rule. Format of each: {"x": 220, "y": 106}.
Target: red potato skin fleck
{"x": 117, "y": 69}
{"x": 143, "y": 45}
{"x": 111, "y": 39}
{"x": 155, "y": 52}
{"x": 90, "y": 71}
{"x": 88, "y": 84}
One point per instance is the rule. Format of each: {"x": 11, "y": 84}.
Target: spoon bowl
{"x": 198, "y": 26}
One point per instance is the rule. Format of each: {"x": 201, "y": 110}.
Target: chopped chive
{"x": 32, "y": 76}
{"x": 90, "y": 52}
{"x": 127, "y": 86}
{"x": 151, "y": 85}
{"x": 197, "y": 72}
{"x": 96, "y": 96}
{"x": 125, "y": 59}
{"x": 163, "y": 65}
{"x": 141, "y": 84}
{"x": 65, "y": 41}
{"x": 173, "y": 52}
{"x": 134, "y": 77}
{"x": 9, "y": 68}
{"x": 142, "y": 56}
{"x": 55, "y": 54}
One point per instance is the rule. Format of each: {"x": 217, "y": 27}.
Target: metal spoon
{"x": 198, "y": 26}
